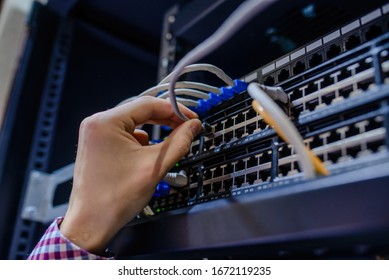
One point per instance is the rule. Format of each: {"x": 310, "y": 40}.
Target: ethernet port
{"x": 262, "y": 124}
{"x": 217, "y": 141}
{"x": 251, "y": 127}
{"x": 270, "y": 81}
{"x": 374, "y": 123}
{"x": 334, "y": 156}
{"x": 194, "y": 178}
{"x": 228, "y": 169}
{"x": 352, "y": 42}
{"x": 299, "y": 67}
{"x": 207, "y": 175}
{"x": 364, "y": 64}
{"x": 219, "y": 126}
{"x": 195, "y": 149}
{"x": 240, "y": 165}
{"x": 250, "y": 178}
{"x": 315, "y": 60}
{"x": 240, "y": 118}
{"x": 239, "y": 132}
{"x": 283, "y": 75}
{"x": 311, "y": 105}
{"x": 310, "y": 88}
{"x": 296, "y": 94}
{"x": 216, "y": 187}
{"x": 353, "y": 151}
{"x": 327, "y": 99}
{"x": 192, "y": 192}
{"x": 239, "y": 181}
{"x": 251, "y": 114}
{"x": 327, "y": 81}
{"x": 316, "y": 142}
{"x": 217, "y": 172}
{"x": 252, "y": 162}
{"x": 373, "y": 32}
{"x": 264, "y": 175}
{"x": 284, "y": 169}
{"x": 345, "y": 92}
{"x": 227, "y": 184}
{"x": 208, "y": 144}
{"x": 206, "y": 189}
{"x": 228, "y": 123}
{"x": 333, "y": 51}
{"x": 228, "y": 136}
{"x": 376, "y": 145}
{"x": 296, "y": 111}
{"x": 334, "y": 136}
{"x": 266, "y": 157}
{"x": 285, "y": 151}
{"x": 364, "y": 85}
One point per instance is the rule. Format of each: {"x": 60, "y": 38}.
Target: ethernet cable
{"x": 273, "y": 115}
{"x": 201, "y": 67}
{"x": 187, "y": 102}
{"x": 187, "y": 92}
{"x": 245, "y": 12}
{"x": 154, "y": 91}
{"x": 176, "y": 179}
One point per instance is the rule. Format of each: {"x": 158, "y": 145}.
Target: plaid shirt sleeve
{"x": 55, "y": 246}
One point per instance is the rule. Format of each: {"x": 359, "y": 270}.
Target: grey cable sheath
{"x": 188, "y": 92}
{"x": 245, "y": 12}
{"x": 288, "y": 129}
{"x": 181, "y": 85}
{"x": 202, "y": 67}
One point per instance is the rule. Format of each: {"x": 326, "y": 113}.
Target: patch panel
{"x": 337, "y": 96}
{"x": 349, "y": 37}
{"x": 338, "y": 146}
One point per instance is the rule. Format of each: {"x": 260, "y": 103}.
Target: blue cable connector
{"x": 162, "y": 190}
{"x": 215, "y": 99}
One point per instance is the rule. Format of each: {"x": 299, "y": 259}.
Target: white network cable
{"x": 187, "y": 92}
{"x": 287, "y": 127}
{"x": 202, "y": 67}
{"x": 187, "y": 102}
{"x": 245, "y": 12}
{"x": 153, "y": 91}
{"x": 192, "y": 85}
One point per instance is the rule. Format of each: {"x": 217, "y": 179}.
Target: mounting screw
{"x": 31, "y": 211}
{"x": 168, "y": 36}
{"x": 171, "y": 19}
{"x": 165, "y": 62}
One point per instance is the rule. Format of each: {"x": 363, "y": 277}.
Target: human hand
{"x": 116, "y": 171}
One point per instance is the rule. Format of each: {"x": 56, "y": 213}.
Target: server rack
{"x": 277, "y": 214}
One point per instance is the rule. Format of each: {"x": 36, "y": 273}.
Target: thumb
{"x": 177, "y": 145}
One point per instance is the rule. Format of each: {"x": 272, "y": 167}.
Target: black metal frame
{"x": 41, "y": 125}
{"x": 342, "y": 216}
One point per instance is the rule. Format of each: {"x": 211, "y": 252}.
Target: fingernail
{"x": 195, "y": 127}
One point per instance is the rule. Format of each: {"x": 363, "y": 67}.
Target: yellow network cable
{"x": 318, "y": 165}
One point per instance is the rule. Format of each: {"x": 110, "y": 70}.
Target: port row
{"x": 328, "y": 52}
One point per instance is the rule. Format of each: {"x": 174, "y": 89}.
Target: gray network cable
{"x": 202, "y": 67}
{"x": 287, "y": 127}
{"x": 245, "y": 12}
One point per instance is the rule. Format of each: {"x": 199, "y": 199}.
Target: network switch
{"x": 338, "y": 90}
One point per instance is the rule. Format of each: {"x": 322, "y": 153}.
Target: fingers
{"x": 149, "y": 110}
{"x": 176, "y": 146}
{"x": 141, "y": 136}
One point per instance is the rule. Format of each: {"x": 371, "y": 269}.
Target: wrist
{"x": 86, "y": 234}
